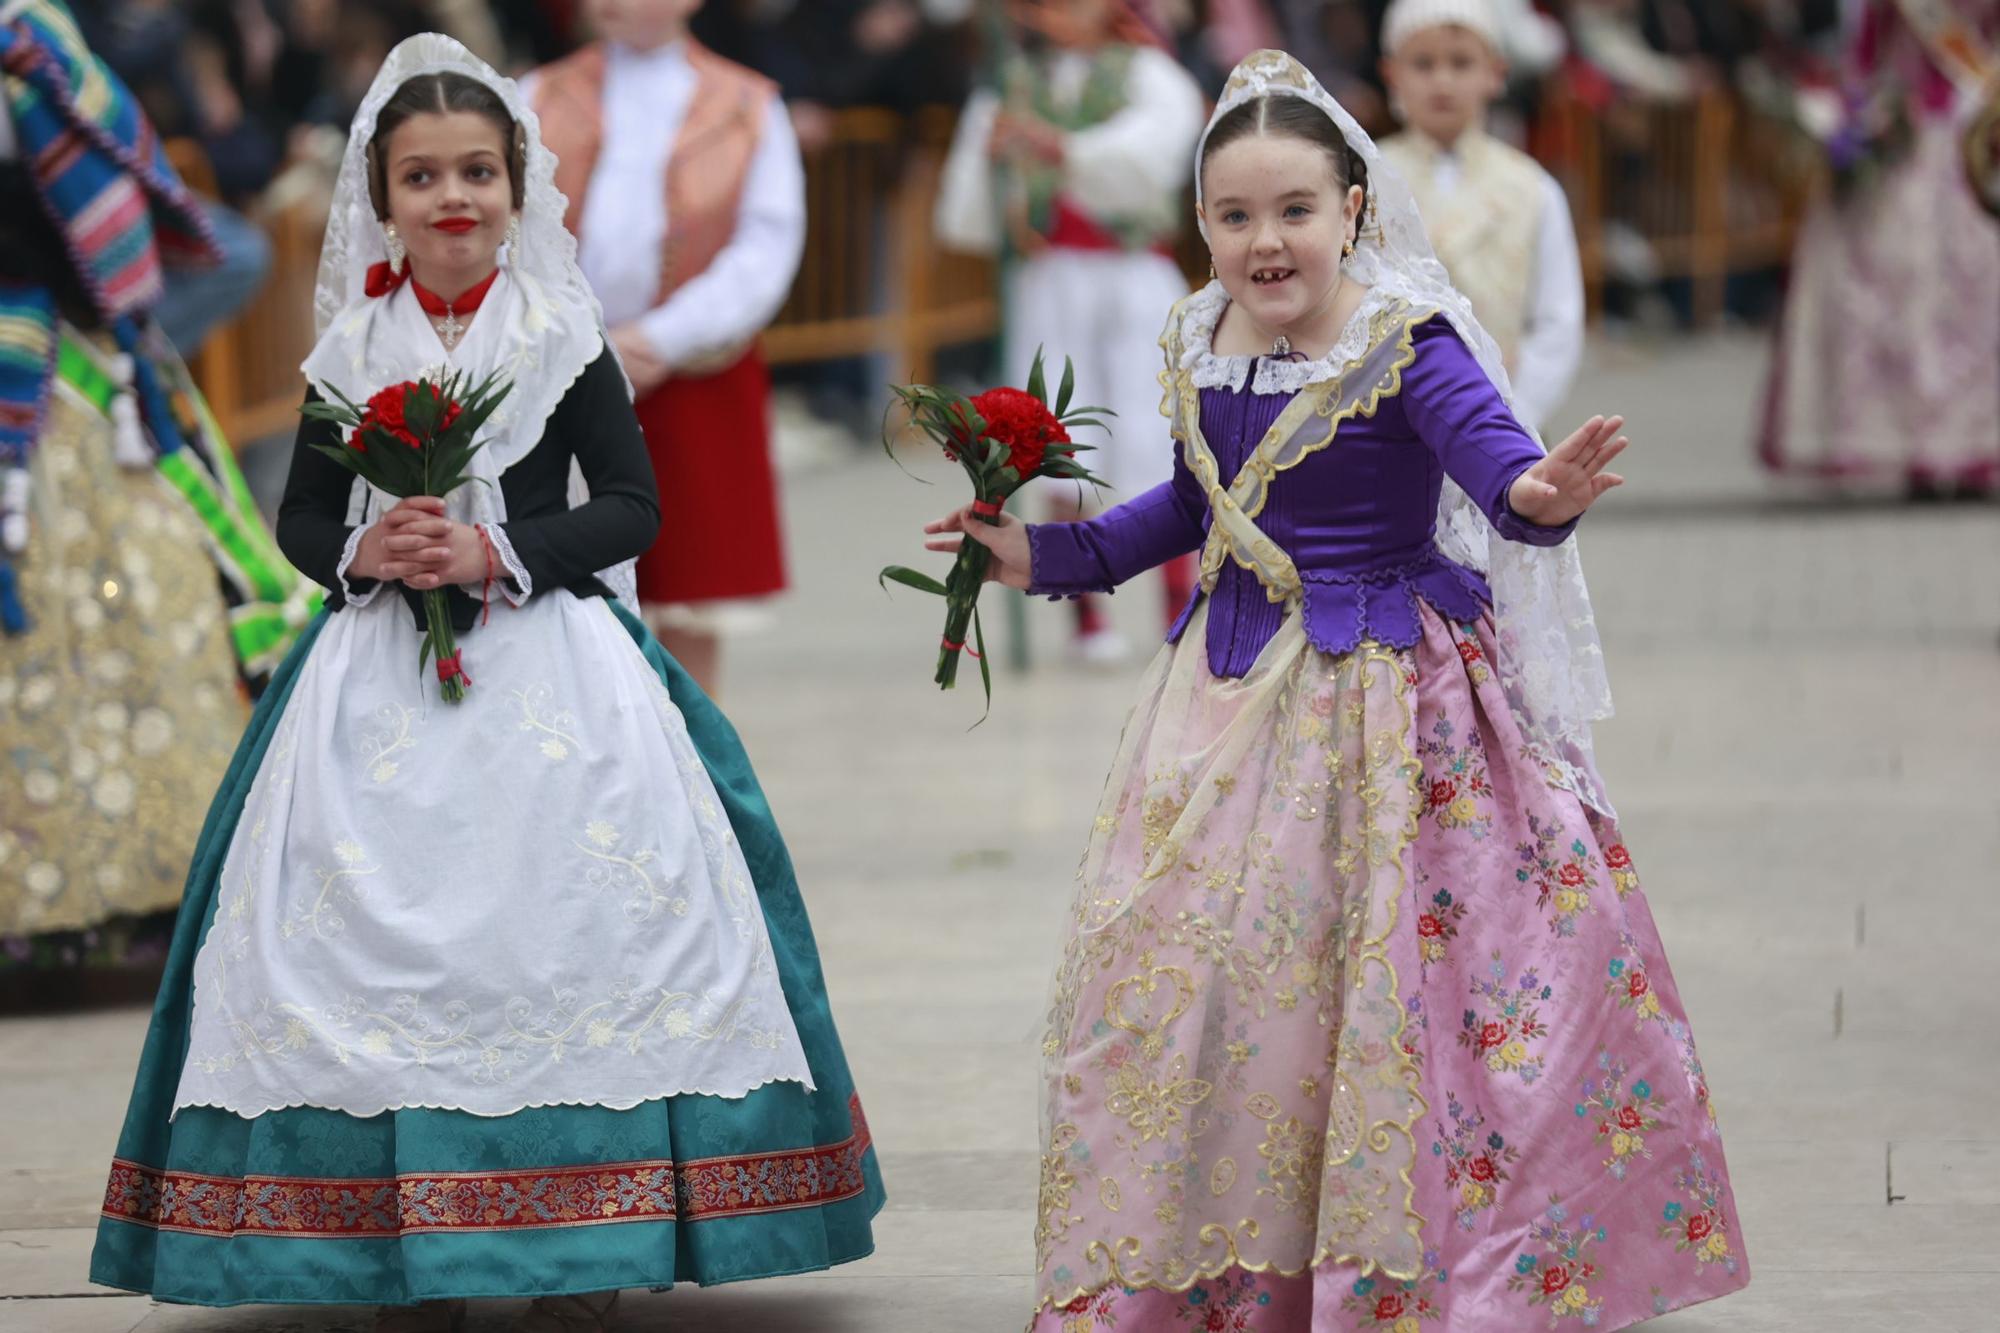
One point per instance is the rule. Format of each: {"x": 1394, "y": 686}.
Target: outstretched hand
{"x": 1571, "y": 477}
{"x": 1012, "y": 560}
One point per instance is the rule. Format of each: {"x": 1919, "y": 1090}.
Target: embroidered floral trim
{"x": 347, "y": 554}
{"x": 1211, "y": 370}
{"x": 467, "y": 1201}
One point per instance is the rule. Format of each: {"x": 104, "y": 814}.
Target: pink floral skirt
{"x": 1364, "y": 1024}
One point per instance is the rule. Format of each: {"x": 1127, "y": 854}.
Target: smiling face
{"x": 449, "y": 195}
{"x": 1278, "y": 214}
{"x": 1445, "y": 77}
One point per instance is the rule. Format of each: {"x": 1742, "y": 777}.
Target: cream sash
{"x": 1306, "y": 426}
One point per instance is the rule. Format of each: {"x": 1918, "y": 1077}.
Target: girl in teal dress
{"x": 514, "y": 996}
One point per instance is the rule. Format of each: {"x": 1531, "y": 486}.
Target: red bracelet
{"x": 486, "y": 587}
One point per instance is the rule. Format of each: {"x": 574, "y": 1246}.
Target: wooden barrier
{"x": 1709, "y": 188}
{"x": 873, "y": 278}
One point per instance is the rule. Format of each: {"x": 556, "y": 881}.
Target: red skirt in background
{"x": 720, "y": 530}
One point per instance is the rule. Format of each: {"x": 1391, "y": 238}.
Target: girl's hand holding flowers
{"x": 1003, "y": 438}
{"x": 415, "y": 544}
{"x": 1012, "y": 561}
{"x": 1571, "y": 477}
{"x": 415, "y": 441}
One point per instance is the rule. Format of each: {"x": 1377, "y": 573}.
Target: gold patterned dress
{"x": 1363, "y": 1023}
{"x": 121, "y": 704}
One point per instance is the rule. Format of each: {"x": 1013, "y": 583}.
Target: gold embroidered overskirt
{"x": 121, "y": 704}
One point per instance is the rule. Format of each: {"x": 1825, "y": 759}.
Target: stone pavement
{"x": 1810, "y": 702}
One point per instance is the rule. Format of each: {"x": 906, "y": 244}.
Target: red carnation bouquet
{"x": 1003, "y": 438}
{"x": 417, "y": 438}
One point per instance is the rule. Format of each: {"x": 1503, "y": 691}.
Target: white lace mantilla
{"x": 531, "y": 898}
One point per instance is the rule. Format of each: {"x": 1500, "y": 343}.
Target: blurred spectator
{"x": 1886, "y": 354}
{"x": 203, "y": 70}
{"x": 1337, "y": 41}
{"x": 199, "y": 301}
{"x": 1499, "y": 221}
{"x": 830, "y": 54}
{"x": 1073, "y": 168}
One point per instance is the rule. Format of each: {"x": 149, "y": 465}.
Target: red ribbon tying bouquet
{"x": 1003, "y": 438}
{"x": 417, "y": 438}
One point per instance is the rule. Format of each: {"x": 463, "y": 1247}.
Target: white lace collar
{"x": 1203, "y": 314}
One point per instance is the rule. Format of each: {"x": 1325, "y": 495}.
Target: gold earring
{"x": 1347, "y": 249}
{"x": 1211, "y": 270}
{"x": 397, "y": 250}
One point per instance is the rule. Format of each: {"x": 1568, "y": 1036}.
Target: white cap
{"x": 1409, "y": 17}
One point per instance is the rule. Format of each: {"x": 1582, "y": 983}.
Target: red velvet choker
{"x": 466, "y": 302}
{"x": 382, "y": 280}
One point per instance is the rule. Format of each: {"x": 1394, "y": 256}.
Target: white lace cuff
{"x": 347, "y": 554}
{"x": 516, "y": 586}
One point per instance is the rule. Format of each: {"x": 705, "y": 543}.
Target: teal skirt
{"x": 310, "y": 1206}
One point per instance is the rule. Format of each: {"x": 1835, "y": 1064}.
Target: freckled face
{"x": 449, "y": 193}
{"x": 1277, "y": 218}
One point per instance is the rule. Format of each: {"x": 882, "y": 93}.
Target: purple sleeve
{"x": 1100, "y": 553}
{"x": 1458, "y": 413}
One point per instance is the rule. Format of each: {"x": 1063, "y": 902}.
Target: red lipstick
{"x": 456, "y": 226}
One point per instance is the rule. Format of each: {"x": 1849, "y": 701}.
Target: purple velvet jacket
{"x": 1356, "y": 517}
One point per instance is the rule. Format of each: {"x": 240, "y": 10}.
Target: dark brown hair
{"x": 442, "y": 94}
{"x": 1296, "y": 117}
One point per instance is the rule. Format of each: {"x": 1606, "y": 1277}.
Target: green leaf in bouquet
{"x": 1038, "y": 385}
{"x": 1068, "y": 388}
{"x": 420, "y": 411}
{"x": 985, "y": 668}
{"x": 909, "y": 578}
{"x": 334, "y": 412}
{"x": 347, "y": 458}
{"x": 1077, "y": 413}
{"x": 353, "y": 407}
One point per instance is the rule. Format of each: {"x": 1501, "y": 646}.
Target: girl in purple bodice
{"x": 1363, "y": 1022}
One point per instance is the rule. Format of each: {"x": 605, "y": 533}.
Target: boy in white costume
{"x": 1075, "y": 168}
{"x": 687, "y": 197}
{"x": 1499, "y": 221}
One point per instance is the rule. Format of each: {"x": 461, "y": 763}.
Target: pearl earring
{"x": 397, "y": 250}
{"x": 513, "y": 236}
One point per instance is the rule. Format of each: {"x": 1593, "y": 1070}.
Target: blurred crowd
{"x": 267, "y": 84}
